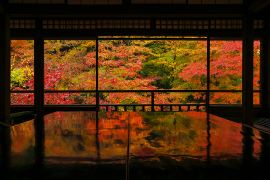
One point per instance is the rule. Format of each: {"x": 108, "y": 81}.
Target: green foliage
{"x": 19, "y": 76}
{"x": 129, "y": 100}
{"x": 161, "y": 69}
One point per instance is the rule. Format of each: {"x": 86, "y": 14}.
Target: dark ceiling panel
{"x": 71, "y": 2}
{"x": 187, "y": 1}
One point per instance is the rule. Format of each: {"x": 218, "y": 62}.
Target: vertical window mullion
{"x": 97, "y": 87}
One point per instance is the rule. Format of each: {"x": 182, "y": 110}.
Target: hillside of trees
{"x": 132, "y": 65}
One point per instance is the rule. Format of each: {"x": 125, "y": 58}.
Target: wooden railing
{"x": 152, "y": 106}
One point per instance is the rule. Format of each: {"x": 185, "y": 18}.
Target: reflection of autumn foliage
{"x": 171, "y": 134}
{"x": 23, "y": 142}
{"x": 22, "y": 135}
{"x": 113, "y": 134}
{"x": 67, "y": 134}
{"x": 75, "y": 135}
{"x": 227, "y": 138}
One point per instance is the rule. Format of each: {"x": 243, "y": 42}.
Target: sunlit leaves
{"x": 132, "y": 65}
{"x": 22, "y": 65}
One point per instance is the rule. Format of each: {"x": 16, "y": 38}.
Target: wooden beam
{"x": 85, "y": 33}
{"x": 247, "y": 69}
{"x": 126, "y": 10}
{"x": 5, "y": 139}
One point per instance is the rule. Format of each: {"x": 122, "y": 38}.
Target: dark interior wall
{"x": 4, "y": 87}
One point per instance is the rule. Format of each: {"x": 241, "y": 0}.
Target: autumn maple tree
{"x": 131, "y": 65}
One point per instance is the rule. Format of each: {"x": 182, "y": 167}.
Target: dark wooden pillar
{"x": 208, "y": 74}
{"x": 247, "y": 148}
{"x": 208, "y": 138}
{"x": 247, "y": 95}
{"x": 265, "y": 68}
{"x": 39, "y": 93}
{"x": 4, "y": 87}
